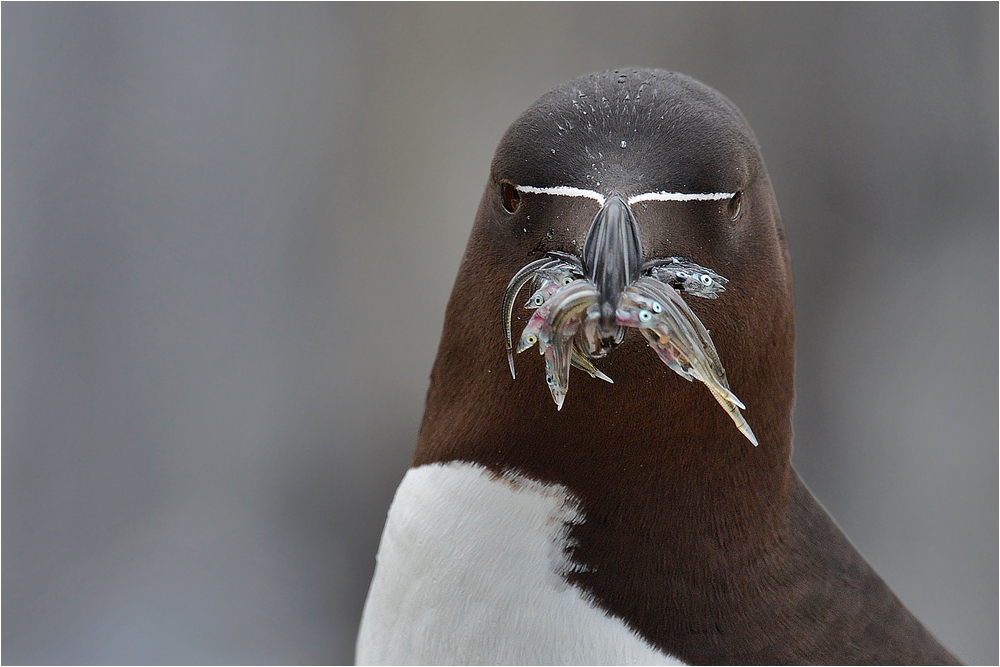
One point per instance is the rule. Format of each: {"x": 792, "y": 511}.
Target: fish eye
{"x": 706, "y": 279}
{"x": 510, "y": 198}
{"x": 548, "y": 379}
{"x": 532, "y": 339}
{"x": 657, "y": 308}
{"x": 567, "y": 280}
{"x": 682, "y": 275}
{"x": 536, "y": 300}
{"x": 645, "y": 316}
{"x": 735, "y": 206}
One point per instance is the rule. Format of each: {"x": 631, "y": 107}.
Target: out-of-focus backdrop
{"x": 230, "y": 231}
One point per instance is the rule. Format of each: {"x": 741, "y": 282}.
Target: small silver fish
{"x": 566, "y": 323}
{"x": 520, "y": 279}
{"x": 680, "y": 340}
{"x": 531, "y": 334}
{"x": 688, "y": 277}
{"x": 547, "y": 281}
{"x": 570, "y": 305}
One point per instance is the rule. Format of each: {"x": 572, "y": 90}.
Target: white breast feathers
{"x": 471, "y": 571}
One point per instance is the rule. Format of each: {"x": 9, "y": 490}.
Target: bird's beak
{"x": 612, "y": 257}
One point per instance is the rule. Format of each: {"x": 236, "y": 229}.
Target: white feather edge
{"x": 470, "y": 571}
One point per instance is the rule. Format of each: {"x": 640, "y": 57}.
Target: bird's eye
{"x": 645, "y": 316}
{"x": 706, "y": 280}
{"x": 510, "y": 198}
{"x": 735, "y": 206}
{"x": 657, "y": 308}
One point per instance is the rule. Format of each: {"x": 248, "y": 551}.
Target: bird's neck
{"x": 679, "y": 509}
{"x": 649, "y": 450}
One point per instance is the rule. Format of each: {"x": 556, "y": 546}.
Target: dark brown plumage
{"x": 711, "y": 549}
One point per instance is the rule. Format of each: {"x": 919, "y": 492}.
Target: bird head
{"x": 614, "y": 171}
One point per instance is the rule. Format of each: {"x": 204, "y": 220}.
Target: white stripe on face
{"x": 567, "y": 191}
{"x": 679, "y": 196}
{"x": 563, "y": 190}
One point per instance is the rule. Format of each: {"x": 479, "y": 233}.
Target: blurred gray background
{"x": 229, "y": 233}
